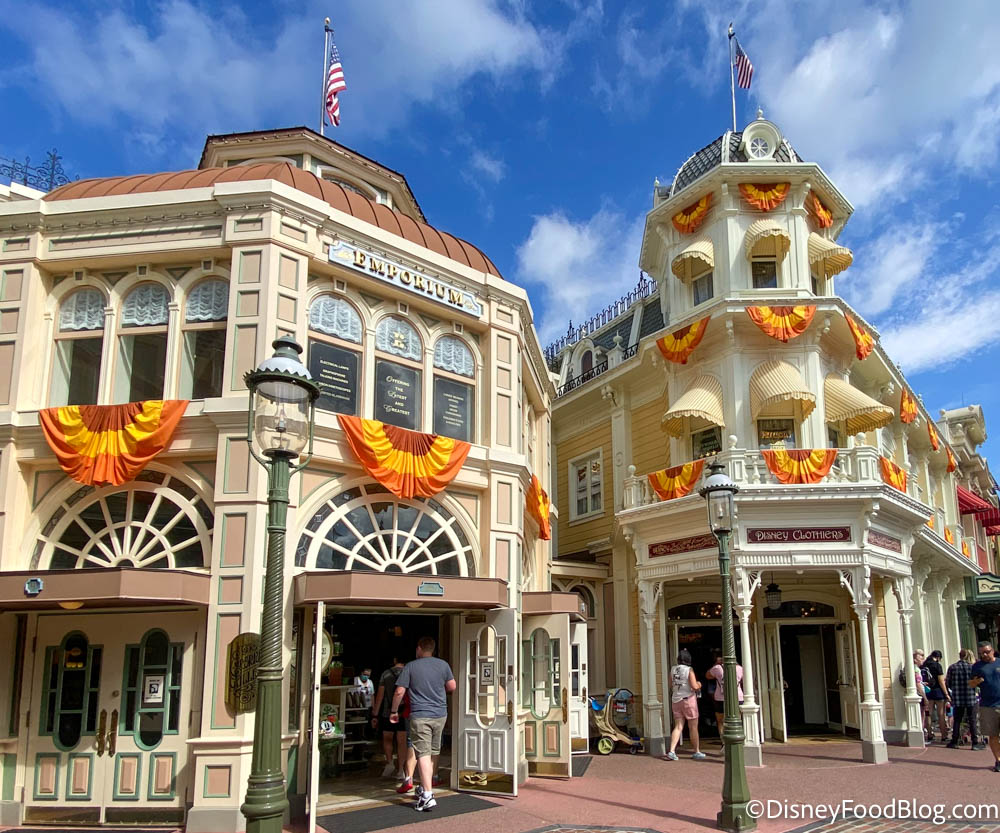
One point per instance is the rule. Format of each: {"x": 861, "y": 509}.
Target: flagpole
{"x": 732, "y": 75}
{"x": 322, "y": 96}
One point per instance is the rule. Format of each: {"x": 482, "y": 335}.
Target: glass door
{"x": 579, "y": 689}
{"x": 545, "y": 660}
{"x": 775, "y": 681}
{"x": 847, "y": 680}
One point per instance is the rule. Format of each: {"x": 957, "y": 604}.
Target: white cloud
{"x": 891, "y": 264}
{"x": 579, "y": 265}
{"x": 491, "y": 167}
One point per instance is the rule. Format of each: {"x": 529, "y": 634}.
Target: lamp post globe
{"x": 719, "y": 492}
{"x": 280, "y": 423}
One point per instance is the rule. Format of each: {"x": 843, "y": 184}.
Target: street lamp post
{"x": 282, "y": 399}
{"x": 718, "y": 491}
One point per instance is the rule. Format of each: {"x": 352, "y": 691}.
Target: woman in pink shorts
{"x": 684, "y": 688}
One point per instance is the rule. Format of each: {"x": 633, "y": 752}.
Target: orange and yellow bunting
{"x": 892, "y": 474}
{"x": 679, "y": 345}
{"x": 965, "y": 549}
{"x": 110, "y": 444}
{"x": 764, "y": 197}
{"x": 933, "y": 434}
{"x": 408, "y": 463}
{"x": 907, "y": 407}
{"x": 690, "y": 218}
{"x": 677, "y": 481}
{"x": 782, "y": 323}
{"x": 822, "y": 214}
{"x": 804, "y": 465}
{"x": 863, "y": 341}
{"x": 949, "y": 536}
{"x": 930, "y": 522}
{"x": 539, "y": 508}
{"x": 952, "y": 462}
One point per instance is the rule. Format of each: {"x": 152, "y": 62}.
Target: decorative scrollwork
{"x": 45, "y": 177}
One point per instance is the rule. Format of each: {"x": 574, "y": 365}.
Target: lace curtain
{"x": 453, "y": 355}
{"x": 145, "y": 306}
{"x": 396, "y": 336}
{"x": 83, "y": 310}
{"x": 208, "y": 301}
{"x": 335, "y": 317}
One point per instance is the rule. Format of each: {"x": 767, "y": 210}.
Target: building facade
{"x": 853, "y": 546}
{"x": 125, "y": 609}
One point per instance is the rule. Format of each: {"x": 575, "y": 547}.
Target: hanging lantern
{"x": 773, "y": 595}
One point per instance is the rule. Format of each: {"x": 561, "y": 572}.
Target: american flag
{"x": 334, "y": 84}
{"x": 744, "y": 69}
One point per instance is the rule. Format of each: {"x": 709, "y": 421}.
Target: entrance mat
{"x": 396, "y": 815}
{"x": 580, "y": 765}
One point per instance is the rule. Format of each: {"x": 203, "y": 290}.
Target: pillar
{"x": 934, "y": 608}
{"x": 747, "y": 583}
{"x": 857, "y": 582}
{"x": 902, "y": 588}
{"x": 921, "y": 571}
{"x": 656, "y": 743}
{"x": 953, "y": 636}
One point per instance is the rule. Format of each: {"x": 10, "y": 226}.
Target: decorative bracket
{"x": 902, "y": 589}
{"x": 857, "y": 582}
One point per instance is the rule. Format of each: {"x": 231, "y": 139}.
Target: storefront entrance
{"x": 809, "y": 667}
{"x": 110, "y": 712}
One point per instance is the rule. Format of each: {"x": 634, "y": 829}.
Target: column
{"x": 902, "y": 588}
{"x": 934, "y": 610}
{"x": 656, "y": 744}
{"x": 921, "y": 572}
{"x": 857, "y": 582}
{"x": 746, "y": 584}
{"x": 953, "y": 637}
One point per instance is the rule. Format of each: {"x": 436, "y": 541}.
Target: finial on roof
{"x": 656, "y": 182}
{"x": 760, "y": 114}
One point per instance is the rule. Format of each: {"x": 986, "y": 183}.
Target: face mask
{"x": 364, "y": 678}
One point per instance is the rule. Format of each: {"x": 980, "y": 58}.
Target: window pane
{"x": 397, "y": 394}
{"x": 706, "y": 443}
{"x": 143, "y": 363}
{"x": 453, "y": 355}
{"x": 454, "y": 409}
{"x": 396, "y": 336}
{"x": 337, "y": 373}
{"x": 765, "y": 274}
{"x": 145, "y": 306}
{"x": 208, "y": 301}
{"x": 204, "y": 355}
{"x": 335, "y": 317}
{"x": 83, "y": 310}
{"x": 77, "y": 371}
{"x": 775, "y": 433}
{"x": 702, "y": 288}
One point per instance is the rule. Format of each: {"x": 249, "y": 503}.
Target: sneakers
{"x": 952, "y": 746}
{"x": 389, "y": 770}
{"x": 671, "y": 756}
{"x": 405, "y": 787}
{"x": 418, "y": 791}
{"x": 698, "y": 756}
{"x": 978, "y": 747}
{"x": 996, "y": 766}
{"x": 425, "y": 803}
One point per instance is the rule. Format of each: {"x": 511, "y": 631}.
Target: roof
{"x": 333, "y": 194}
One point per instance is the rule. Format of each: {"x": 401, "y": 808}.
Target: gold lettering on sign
{"x": 418, "y": 281}
{"x": 359, "y": 257}
{"x": 454, "y": 296}
{"x": 376, "y": 265}
{"x": 242, "y": 659}
{"x": 405, "y": 277}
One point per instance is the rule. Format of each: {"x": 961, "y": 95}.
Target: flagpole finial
{"x": 731, "y": 32}
{"x": 326, "y": 22}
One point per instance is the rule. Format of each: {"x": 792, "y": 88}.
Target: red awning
{"x": 993, "y": 530}
{"x": 991, "y": 518}
{"x": 970, "y": 503}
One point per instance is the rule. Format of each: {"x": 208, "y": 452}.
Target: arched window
{"x": 70, "y": 690}
{"x": 79, "y": 344}
{"x": 152, "y": 689}
{"x": 205, "y": 339}
{"x": 334, "y": 353}
{"x": 154, "y": 521}
{"x": 587, "y": 607}
{"x": 398, "y": 379}
{"x": 454, "y": 398}
{"x": 587, "y": 362}
{"x": 367, "y": 528}
{"x": 142, "y": 343}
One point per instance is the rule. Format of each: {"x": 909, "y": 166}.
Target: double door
{"x": 545, "y": 693}
{"x": 108, "y": 724}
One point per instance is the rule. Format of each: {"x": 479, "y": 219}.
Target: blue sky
{"x": 535, "y": 130}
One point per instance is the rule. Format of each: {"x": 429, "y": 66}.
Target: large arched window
{"x": 454, "y": 396}
{"x": 154, "y": 521}
{"x": 335, "y": 353}
{"x": 205, "y": 339}
{"x": 79, "y": 342}
{"x": 367, "y": 528}
{"x": 398, "y": 358}
{"x": 142, "y": 343}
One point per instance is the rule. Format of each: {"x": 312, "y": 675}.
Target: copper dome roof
{"x": 332, "y": 193}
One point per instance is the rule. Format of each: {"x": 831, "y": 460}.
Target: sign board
{"x": 419, "y": 283}
{"x": 430, "y": 588}
{"x": 679, "y": 545}
{"x": 487, "y": 671}
{"x": 800, "y": 535}
{"x": 397, "y": 394}
{"x": 886, "y": 542}
{"x": 454, "y": 406}
{"x": 152, "y": 689}
{"x": 242, "y": 659}
{"x": 987, "y": 585}
{"x": 335, "y": 371}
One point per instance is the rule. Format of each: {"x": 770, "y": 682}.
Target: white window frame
{"x": 571, "y": 480}
{"x": 695, "y": 431}
{"x": 777, "y": 270}
{"x": 710, "y": 274}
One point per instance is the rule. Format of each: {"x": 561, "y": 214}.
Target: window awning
{"x": 970, "y": 503}
{"x": 833, "y": 259}
{"x": 694, "y": 260}
{"x": 774, "y": 382}
{"x": 989, "y": 519}
{"x": 846, "y": 403}
{"x": 702, "y": 399}
{"x": 766, "y": 237}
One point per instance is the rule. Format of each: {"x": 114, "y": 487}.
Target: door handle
{"x": 565, "y": 704}
{"x": 102, "y": 725}
{"x": 583, "y": 694}
{"x": 113, "y": 734}
{"x": 510, "y": 712}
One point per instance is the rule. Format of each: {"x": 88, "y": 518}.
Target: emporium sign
{"x": 377, "y": 266}
{"x": 800, "y": 535}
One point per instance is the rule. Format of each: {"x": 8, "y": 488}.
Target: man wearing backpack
{"x": 393, "y": 734}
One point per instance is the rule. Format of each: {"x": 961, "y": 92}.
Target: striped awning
{"x": 845, "y": 403}
{"x": 702, "y": 399}
{"x": 694, "y": 260}
{"x": 776, "y": 381}
{"x": 832, "y": 259}
{"x": 766, "y": 237}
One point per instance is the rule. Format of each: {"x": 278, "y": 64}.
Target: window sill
{"x": 579, "y": 519}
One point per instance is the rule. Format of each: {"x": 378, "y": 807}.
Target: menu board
{"x": 454, "y": 407}
{"x": 397, "y": 394}
{"x": 335, "y": 371}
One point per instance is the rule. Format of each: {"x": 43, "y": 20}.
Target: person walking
{"x": 986, "y": 677}
{"x": 717, "y": 673}
{"x": 428, "y": 681}
{"x": 684, "y": 693}
{"x": 938, "y": 695}
{"x": 393, "y": 734}
{"x": 963, "y": 698}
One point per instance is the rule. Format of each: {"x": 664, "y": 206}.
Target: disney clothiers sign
{"x": 800, "y": 535}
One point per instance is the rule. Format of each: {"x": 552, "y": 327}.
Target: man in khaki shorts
{"x": 986, "y": 677}
{"x": 429, "y": 681}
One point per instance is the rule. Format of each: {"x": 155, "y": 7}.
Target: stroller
{"x": 617, "y": 709}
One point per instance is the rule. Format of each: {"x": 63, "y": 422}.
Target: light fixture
{"x": 70, "y": 605}
{"x": 414, "y": 605}
{"x": 718, "y": 492}
{"x": 282, "y": 394}
{"x": 773, "y": 595}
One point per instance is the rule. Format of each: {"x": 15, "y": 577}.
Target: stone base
{"x": 10, "y": 813}
{"x": 215, "y": 820}
{"x": 753, "y": 755}
{"x": 297, "y": 806}
{"x": 656, "y": 746}
{"x": 874, "y": 752}
{"x": 914, "y": 737}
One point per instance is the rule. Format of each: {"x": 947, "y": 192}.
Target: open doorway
{"x": 703, "y": 642}
{"x": 809, "y": 671}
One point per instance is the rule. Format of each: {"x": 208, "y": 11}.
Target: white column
{"x": 902, "y": 587}
{"x": 857, "y": 582}
{"x": 746, "y": 584}
{"x": 649, "y": 592}
{"x": 921, "y": 572}
{"x": 934, "y": 608}
{"x": 953, "y": 637}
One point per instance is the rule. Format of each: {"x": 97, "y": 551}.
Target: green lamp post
{"x": 281, "y": 417}
{"x": 718, "y": 491}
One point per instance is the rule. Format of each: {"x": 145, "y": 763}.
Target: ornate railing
{"x": 44, "y": 177}
{"x": 575, "y": 382}
{"x": 643, "y": 289}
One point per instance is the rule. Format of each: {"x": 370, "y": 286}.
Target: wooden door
{"x": 579, "y": 689}
{"x": 775, "y": 681}
{"x": 545, "y": 651}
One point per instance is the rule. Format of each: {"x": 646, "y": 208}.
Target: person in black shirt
{"x": 938, "y": 696}
{"x": 963, "y": 699}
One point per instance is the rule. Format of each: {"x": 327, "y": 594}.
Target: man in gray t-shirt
{"x": 429, "y": 681}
